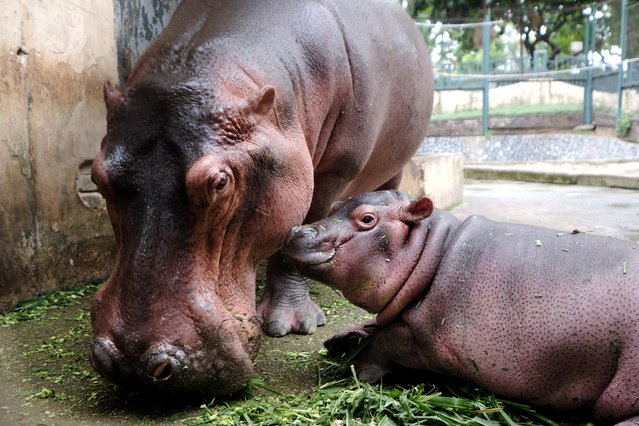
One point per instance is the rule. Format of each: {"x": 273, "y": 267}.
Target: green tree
{"x": 550, "y": 24}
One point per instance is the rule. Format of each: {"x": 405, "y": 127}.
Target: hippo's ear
{"x": 336, "y": 206}
{"x": 417, "y": 210}
{"x": 112, "y": 97}
{"x": 261, "y": 103}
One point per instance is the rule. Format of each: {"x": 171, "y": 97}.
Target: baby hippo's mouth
{"x": 312, "y": 258}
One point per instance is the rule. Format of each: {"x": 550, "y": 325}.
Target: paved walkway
{"x": 599, "y": 209}
{"x": 619, "y": 174}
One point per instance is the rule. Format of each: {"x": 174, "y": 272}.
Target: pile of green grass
{"x": 40, "y": 307}
{"x": 351, "y": 402}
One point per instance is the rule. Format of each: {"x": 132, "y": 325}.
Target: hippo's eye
{"x": 367, "y": 221}
{"x": 222, "y": 180}
{"x": 368, "y": 218}
{"x": 209, "y": 183}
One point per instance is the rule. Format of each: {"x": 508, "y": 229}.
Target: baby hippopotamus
{"x": 526, "y": 312}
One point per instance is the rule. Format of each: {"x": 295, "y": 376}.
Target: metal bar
{"x": 622, "y": 44}
{"x": 460, "y": 26}
{"x": 587, "y": 113}
{"x": 486, "y": 69}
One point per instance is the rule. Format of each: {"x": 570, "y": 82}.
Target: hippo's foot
{"x": 350, "y": 339}
{"x": 352, "y": 343}
{"x": 286, "y": 306}
{"x": 370, "y": 372}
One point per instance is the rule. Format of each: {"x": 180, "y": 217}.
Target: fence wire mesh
{"x": 580, "y": 64}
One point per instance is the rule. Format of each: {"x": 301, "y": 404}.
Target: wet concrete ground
{"x": 602, "y": 210}
{"x": 280, "y": 364}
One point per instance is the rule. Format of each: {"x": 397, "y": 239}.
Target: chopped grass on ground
{"x": 351, "y": 402}
{"x": 39, "y": 307}
{"x": 60, "y": 372}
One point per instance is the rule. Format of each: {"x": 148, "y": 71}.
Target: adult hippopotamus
{"x": 243, "y": 119}
{"x": 526, "y": 312}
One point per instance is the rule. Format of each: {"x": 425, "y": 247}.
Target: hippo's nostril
{"x": 291, "y": 235}
{"x": 102, "y": 356}
{"x": 161, "y": 368}
{"x": 310, "y": 231}
{"x": 163, "y": 371}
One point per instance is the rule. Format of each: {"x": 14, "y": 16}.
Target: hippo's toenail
{"x": 320, "y": 319}
{"x": 308, "y": 325}
{"x": 276, "y": 328}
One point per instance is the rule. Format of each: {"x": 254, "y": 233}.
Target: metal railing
{"x": 580, "y": 70}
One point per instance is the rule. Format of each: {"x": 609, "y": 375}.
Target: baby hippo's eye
{"x": 368, "y": 218}
{"x": 367, "y": 221}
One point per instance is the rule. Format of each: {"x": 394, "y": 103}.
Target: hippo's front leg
{"x": 350, "y": 338}
{"x": 286, "y": 305}
{"x": 390, "y": 347}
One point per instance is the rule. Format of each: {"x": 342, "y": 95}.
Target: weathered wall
{"x": 137, "y": 23}
{"x": 439, "y": 176}
{"x": 54, "y": 59}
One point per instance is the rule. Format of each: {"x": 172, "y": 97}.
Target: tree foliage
{"x": 549, "y": 24}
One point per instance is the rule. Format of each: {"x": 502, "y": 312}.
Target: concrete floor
{"x": 602, "y": 210}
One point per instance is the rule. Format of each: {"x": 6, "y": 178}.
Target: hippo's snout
{"x": 220, "y": 364}
{"x": 105, "y": 357}
{"x": 309, "y": 245}
{"x": 158, "y": 365}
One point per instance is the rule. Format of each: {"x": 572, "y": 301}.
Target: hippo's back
{"x": 534, "y": 313}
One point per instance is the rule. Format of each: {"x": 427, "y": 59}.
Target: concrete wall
{"x": 529, "y": 93}
{"x": 438, "y": 176}
{"x": 54, "y": 59}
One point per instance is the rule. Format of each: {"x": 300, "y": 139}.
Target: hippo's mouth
{"x": 314, "y": 258}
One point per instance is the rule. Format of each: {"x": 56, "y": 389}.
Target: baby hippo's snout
{"x": 310, "y": 245}
{"x": 300, "y": 235}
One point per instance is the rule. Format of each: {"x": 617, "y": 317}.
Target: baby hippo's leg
{"x": 390, "y": 347}
{"x": 350, "y": 338}
{"x": 620, "y": 399}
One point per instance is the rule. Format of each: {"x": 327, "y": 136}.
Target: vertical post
{"x": 622, "y": 45}
{"x": 486, "y": 69}
{"x": 590, "y": 19}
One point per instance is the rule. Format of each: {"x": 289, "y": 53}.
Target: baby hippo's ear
{"x": 336, "y": 206}
{"x": 417, "y": 210}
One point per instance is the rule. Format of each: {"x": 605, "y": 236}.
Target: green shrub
{"x": 623, "y": 125}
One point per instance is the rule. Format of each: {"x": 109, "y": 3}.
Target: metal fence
{"x": 597, "y": 67}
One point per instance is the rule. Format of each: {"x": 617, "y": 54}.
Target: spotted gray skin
{"x": 529, "y": 313}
